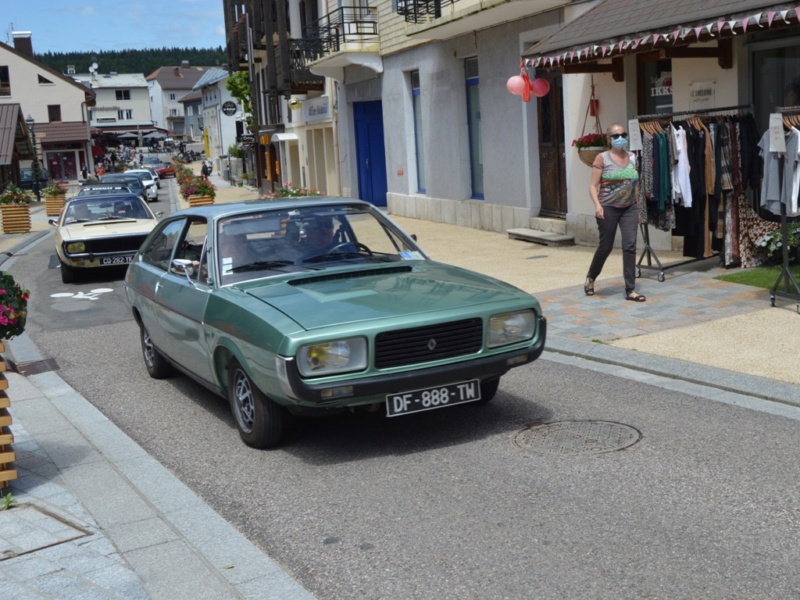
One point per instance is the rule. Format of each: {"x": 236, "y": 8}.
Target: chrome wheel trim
{"x": 244, "y": 401}
{"x": 148, "y": 350}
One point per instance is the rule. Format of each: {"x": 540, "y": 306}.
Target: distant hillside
{"x": 133, "y": 61}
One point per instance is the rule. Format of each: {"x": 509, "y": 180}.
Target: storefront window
{"x": 776, "y": 80}
{"x": 656, "y": 87}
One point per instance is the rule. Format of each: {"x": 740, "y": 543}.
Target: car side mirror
{"x": 182, "y": 266}
{"x": 53, "y": 222}
{"x": 414, "y": 236}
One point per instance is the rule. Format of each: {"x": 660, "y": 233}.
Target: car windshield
{"x": 80, "y": 210}
{"x": 266, "y": 243}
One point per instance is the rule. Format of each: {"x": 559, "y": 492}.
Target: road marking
{"x": 91, "y": 295}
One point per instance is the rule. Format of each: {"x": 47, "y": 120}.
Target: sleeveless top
{"x": 617, "y": 183}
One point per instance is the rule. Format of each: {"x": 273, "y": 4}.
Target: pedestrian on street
{"x": 113, "y": 159}
{"x": 204, "y": 171}
{"x": 613, "y": 191}
{"x": 84, "y": 172}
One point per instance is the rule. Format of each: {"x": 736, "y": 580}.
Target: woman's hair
{"x": 614, "y": 126}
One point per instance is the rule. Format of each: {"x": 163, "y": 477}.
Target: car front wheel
{"x": 67, "y": 273}
{"x": 259, "y": 419}
{"x": 158, "y": 367}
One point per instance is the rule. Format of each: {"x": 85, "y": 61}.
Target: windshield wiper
{"x": 261, "y": 264}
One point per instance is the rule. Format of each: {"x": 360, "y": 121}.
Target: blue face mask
{"x": 619, "y": 142}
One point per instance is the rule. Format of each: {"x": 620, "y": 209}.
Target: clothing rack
{"x": 786, "y": 276}
{"x": 648, "y": 252}
{"x": 689, "y": 113}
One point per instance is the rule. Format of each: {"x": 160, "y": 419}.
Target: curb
{"x": 721, "y": 379}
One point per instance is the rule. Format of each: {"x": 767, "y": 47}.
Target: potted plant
{"x": 589, "y": 146}
{"x": 15, "y": 209}
{"x": 55, "y": 194}
{"x": 197, "y": 191}
{"x": 13, "y": 307}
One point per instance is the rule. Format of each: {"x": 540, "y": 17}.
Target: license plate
{"x": 116, "y": 260}
{"x": 433, "y": 397}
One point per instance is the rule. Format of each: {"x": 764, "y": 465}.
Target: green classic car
{"x": 317, "y": 305}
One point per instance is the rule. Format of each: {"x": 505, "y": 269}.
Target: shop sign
{"x": 229, "y": 108}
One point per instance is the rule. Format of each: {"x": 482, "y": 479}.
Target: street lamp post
{"x": 35, "y": 171}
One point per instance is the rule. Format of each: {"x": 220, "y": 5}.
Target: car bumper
{"x": 311, "y": 394}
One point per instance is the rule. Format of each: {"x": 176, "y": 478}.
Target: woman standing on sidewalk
{"x": 613, "y": 192}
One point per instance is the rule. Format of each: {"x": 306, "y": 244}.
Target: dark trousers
{"x": 628, "y": 220}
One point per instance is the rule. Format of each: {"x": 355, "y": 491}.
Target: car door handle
{"x": 158, "y": 285}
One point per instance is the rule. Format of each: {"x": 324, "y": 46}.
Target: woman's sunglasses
{"x": 615, "y": 136}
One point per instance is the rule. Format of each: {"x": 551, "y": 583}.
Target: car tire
{"x": 67, "y": 273}
{"x": 488, "y": 390}
{"x": 157, "y": 366}
{"x": 258, "y": 419}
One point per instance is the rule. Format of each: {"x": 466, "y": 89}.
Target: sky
{"x": 106, "y": 25}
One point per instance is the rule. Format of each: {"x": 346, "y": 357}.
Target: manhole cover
{"x": 577, "y": 437}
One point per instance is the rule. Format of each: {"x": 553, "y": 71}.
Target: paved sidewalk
{"x": 99, "y": 518}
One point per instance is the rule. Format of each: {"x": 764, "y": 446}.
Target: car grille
{"x": 424, "y": 344}
{"x": 113, "y": 245}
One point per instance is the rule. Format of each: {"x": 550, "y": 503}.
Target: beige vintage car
{"x": 101, "y": 231}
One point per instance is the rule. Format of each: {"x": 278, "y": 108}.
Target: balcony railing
{"x": 415, "y": 11}
{"x": 345, "y": 25}
{"x": 299, "y": 78}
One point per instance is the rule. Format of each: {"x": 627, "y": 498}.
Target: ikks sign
{"x": 316, "y": 109}
{"x": 661, "y": 86}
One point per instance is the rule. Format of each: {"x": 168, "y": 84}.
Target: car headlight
{"x": 76, "y": 247}
{"x": 330, "y": 358}
{"x": 510, "y": 328}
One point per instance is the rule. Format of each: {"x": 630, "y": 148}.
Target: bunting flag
{"x": 712, "y": 28}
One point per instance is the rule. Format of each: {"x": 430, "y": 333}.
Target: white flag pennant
{"x": 732, "y": 25}
{"x": 709, "y": 28}
{"x": 783, "y": 14}
{"x": 757, "y": 19}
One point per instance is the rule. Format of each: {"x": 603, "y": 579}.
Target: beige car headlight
{"x": 510, "y": 328}
{"x": 76, "y": 247}
{"x": 331, "y": 358}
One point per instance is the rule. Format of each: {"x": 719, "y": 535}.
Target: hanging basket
{"x": 587, "y": 155}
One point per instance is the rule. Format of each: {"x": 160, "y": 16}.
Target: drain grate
{"x": 577, "y": 437}
{"x": 35, "y": 366}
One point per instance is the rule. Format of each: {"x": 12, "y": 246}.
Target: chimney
{"x": 22, "y": 42}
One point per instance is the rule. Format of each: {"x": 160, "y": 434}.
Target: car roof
{"x": 111, "y": 196}
{"x": 212, "y": 211}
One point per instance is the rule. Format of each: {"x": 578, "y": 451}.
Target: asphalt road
{"x": 461, "y": 503}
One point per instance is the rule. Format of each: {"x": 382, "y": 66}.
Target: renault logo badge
{"x": 431, "y": 344}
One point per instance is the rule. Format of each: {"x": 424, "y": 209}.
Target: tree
{"x": 238, "y": 85}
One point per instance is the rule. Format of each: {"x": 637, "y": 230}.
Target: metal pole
{"x": 36, "y": 171}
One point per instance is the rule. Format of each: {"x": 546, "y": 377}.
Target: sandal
{"x": 635, "y": 298}
{"x": 588, "y": 287}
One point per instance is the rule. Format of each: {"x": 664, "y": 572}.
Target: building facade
{"x": 57, "y": 104}
{"x": 167, "y": 85}
{"x": 423, "y": 120}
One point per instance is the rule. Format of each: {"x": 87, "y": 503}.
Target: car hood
{"x": 393, "y": 291}
{"x": 82, "y": 231}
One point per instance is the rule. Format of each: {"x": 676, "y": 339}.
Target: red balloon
{"x": 540, "y": 87}
{"x": 516, "y": 85}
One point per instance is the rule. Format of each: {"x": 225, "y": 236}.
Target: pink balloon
{"x": 516, "y": 85}
{"x": 540, "y": 87}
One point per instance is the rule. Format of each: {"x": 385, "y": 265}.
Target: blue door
{"x": 368, "y": 121}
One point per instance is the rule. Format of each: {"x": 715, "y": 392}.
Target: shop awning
{"x": 283, "y": 137}
{"x": 614, "y": 28}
